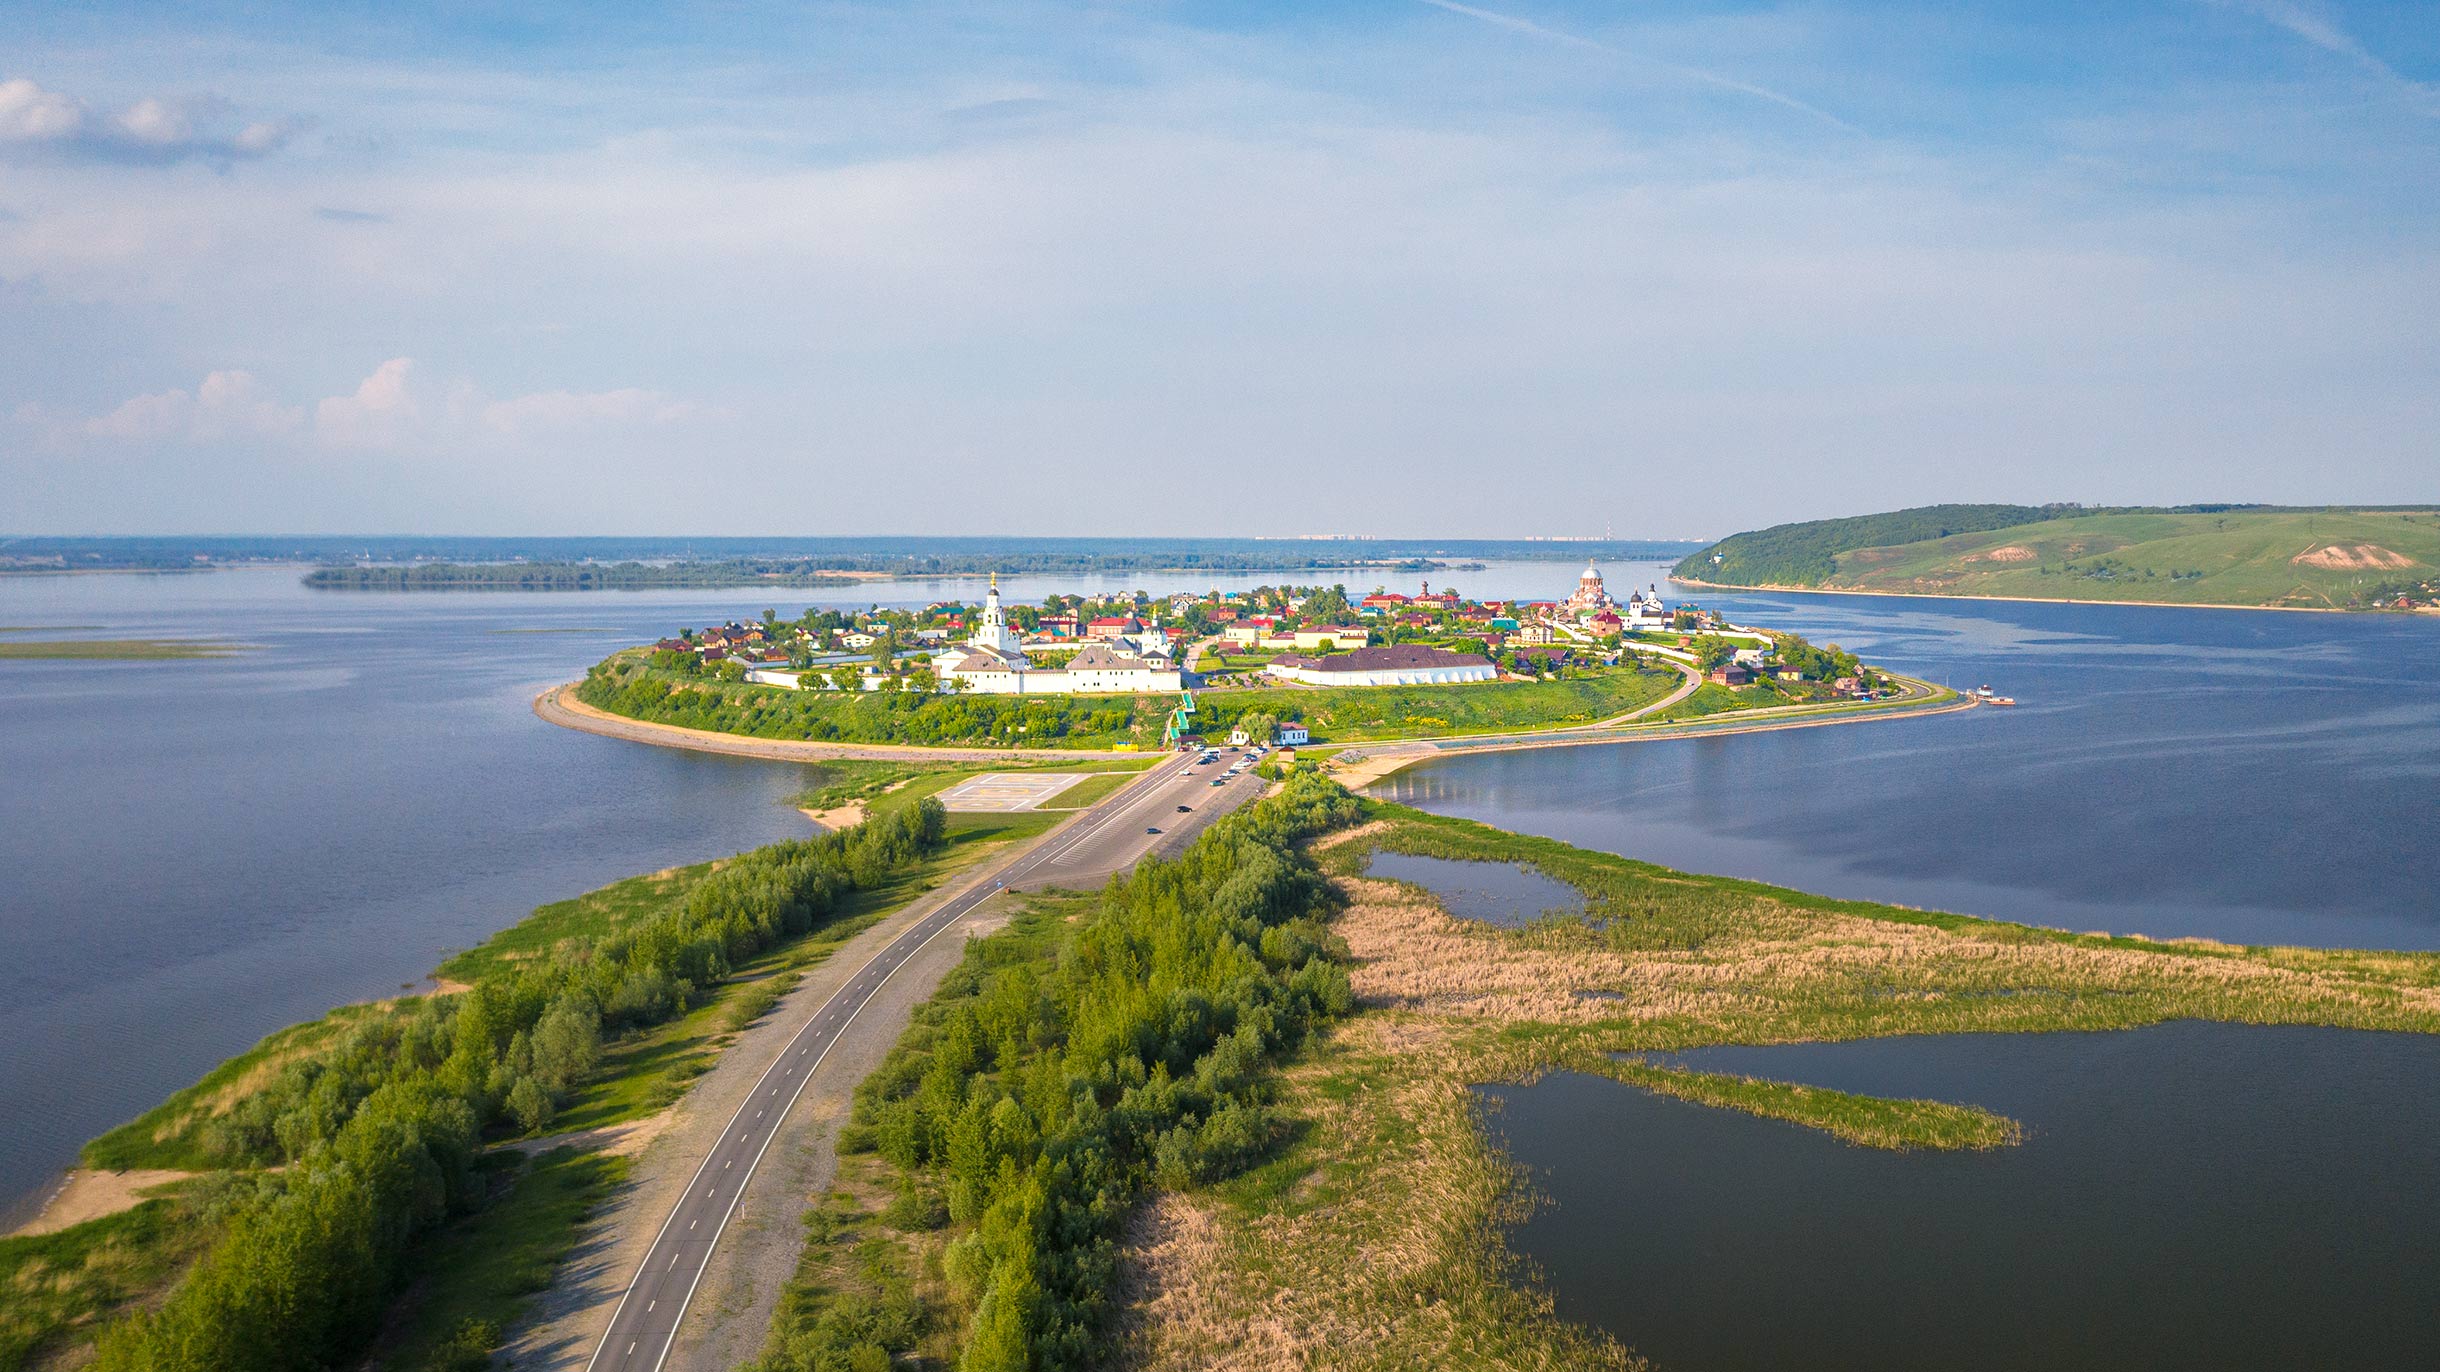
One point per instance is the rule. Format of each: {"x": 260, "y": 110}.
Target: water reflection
{"x": 1507, "y": 894}
{"x": 2191, "y": 1196}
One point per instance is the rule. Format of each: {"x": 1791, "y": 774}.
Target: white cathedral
{"x": 992, "y": 661}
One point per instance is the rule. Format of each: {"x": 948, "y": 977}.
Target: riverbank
{"x": 1365, "y": 762}
{"x": 180, "y": 1180}
{"x": 1362, "y": 766}
{"x": 1379, "y": 1230}
{"x": 560, "y": 706}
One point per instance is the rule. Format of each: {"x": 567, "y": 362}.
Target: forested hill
{"x": 2249, "y": 555}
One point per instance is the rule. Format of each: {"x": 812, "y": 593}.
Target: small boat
{"x": 1999, "y": 700}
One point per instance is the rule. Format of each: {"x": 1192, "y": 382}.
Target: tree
{"x": 1260, "y": 726}
{"x": 529, "y": 1103}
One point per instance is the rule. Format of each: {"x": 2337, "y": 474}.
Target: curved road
{"x": 1099, "y": 841}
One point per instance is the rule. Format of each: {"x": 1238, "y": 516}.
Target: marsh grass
{"x": 1375, "y": 1238}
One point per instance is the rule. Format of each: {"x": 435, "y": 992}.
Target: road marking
{"x": 945, "y": 919}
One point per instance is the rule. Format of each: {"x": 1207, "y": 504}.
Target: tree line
{"x": 379, "y": 1134}
{"x": 1037, "y": 1100}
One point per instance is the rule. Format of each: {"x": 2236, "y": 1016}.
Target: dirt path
{"x": 89, "y": 1195}
{"x": 1692, "y": 683}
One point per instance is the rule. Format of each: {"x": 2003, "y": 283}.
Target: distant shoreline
{"x": 2022, "y": 599}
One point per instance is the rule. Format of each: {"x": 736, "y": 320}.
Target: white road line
{"x": 948, "y": 917}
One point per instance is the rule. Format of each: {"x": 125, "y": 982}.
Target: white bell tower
{"x": 993, "y": 632}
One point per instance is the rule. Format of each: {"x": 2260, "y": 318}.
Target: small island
{"x": 1134, "y": 672}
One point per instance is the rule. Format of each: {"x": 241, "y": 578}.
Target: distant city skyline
{"x": 1423, "y": 267}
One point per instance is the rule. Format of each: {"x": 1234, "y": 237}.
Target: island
{"x": 2235, "y": 556}
{"x": 1131, "y": 672}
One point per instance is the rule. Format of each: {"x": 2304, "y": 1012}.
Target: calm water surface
{"x": 200, "y": 852}
{"x": 2241, "y": 775}
{"x": 2190, "y": 1196}
{"x": 1508, "y": 894}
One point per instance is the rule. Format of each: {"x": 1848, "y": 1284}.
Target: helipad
{"x": 1003, "y": 791}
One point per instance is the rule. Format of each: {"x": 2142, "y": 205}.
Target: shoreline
{"x": 1370, "y": 768}
{"x": 558, "y": 705}
{"x": 2021, "y": 599}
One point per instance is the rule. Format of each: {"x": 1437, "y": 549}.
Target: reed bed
{"x": 1375, "y": 1238}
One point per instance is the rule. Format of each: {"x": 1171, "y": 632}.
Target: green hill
{"x": 2338, "y": 558}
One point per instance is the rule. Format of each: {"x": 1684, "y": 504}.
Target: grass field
{"x": 116, "y": 649}
{"x": 888, "y": 783}
{"x": 2295, "y": 559}
{"x": 486, "y": 1268}
{"x": 1335, "y": 715}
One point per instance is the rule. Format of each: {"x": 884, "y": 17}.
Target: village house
{"x": 1331, "y": 636}
{"x": 1730, "y": 674}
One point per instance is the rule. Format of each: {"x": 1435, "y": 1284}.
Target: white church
{"x": 992, "y": 661}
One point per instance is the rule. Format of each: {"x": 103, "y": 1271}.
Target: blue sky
{"x": 1392, "y": 268}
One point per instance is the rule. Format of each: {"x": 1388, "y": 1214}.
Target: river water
{"x": 199, "y": 852}
{"x": 2188, "y": 1198}
{"x": 2241, "y": 775}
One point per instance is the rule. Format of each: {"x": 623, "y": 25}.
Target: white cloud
{"x": 394, "y": 408}
{"x": 382, "y": 410}
{"x": 30, "y": 114}
{"x": 228, "y": 404}
{"x": 157, "y": 129}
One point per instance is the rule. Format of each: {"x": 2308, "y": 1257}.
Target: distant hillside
{"x": 2336, "y": 558}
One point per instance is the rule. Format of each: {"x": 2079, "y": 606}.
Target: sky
{"x": 1397, "y": 268}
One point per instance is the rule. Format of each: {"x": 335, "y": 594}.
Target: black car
{"x": 1184, "y": 808}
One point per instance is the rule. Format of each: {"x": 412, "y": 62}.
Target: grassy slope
{"x": 534, "y": 1220}
{"x": 58, "y": 1286}
{"x": 2221, "y": 559}
{"x": 489, "y": 1265}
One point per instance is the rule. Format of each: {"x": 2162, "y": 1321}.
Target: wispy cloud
{"x": 2324, "y": 32}
{"x": 157, "y": 129}
{"x": 1515, "y": 24}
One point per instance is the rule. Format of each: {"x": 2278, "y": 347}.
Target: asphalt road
{"x": 1079, "y": 854}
